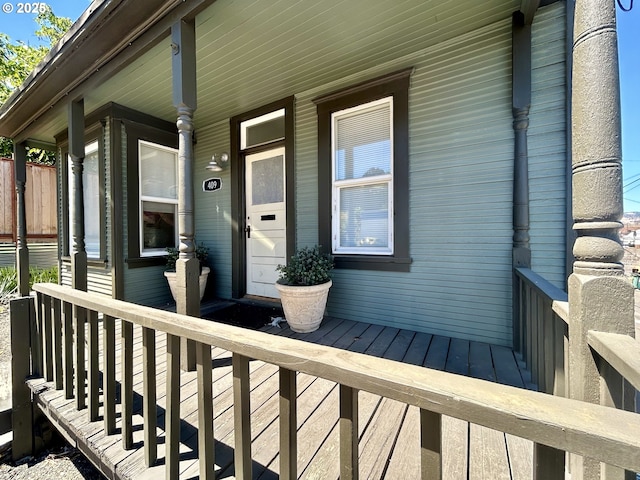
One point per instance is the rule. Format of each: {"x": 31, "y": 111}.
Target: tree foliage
{"x": 17, "y": 61}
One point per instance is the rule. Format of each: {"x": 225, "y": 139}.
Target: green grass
{"x": 9, "y": 278}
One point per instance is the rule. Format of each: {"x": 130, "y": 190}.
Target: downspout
{"x": 521, "y": 103}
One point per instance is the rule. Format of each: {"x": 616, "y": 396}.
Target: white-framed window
{"x": 91, "y": 199}
{"x": 158, "y": 179}
{"x": 362, "y": 179}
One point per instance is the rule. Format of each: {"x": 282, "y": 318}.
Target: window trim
{"x": 395, "y": 85}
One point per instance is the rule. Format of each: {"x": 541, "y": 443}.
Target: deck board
{"x": 389, "y": 445}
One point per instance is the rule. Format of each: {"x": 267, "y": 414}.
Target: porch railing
{"x": 542, "y": 316}
{"x": 604, "y": 434}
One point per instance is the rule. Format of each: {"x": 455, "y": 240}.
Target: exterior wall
{"x": 548, "y": 148}
{"x": 461, "y": 174}
{"x": 213, "y": 209}
{"x": 461, "y": 169}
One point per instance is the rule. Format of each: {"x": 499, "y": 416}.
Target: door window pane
{"x": 267, "y": 181}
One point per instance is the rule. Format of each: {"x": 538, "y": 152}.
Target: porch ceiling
{"x": 253, "y": 52}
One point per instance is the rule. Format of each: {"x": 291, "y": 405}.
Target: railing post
{"x": 22, "y": 312}
{"x": 205, "y": 411}
{"x": 600, "y": 298}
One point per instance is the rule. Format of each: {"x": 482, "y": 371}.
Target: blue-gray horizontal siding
{"x": 548, "y": 162}
{"x": 213, "y": 209}
{"x": 460, "y": 196}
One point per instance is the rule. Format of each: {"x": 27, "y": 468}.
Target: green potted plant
{"x": 304, "y": 287}
{"x": 202, "y": 253}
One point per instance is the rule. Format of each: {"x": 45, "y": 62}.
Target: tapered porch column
{"x": 600, "y": 297}
{"x": 76, "y": 197}
{"x": 521, "y": 102}
{"x": 184, "y": 99}
{"x": 22, "y": 250}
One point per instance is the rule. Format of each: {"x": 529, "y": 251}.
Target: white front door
{"x": 265, "y": 220}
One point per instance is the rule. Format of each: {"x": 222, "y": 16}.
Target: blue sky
{"x": 20, "y": 26}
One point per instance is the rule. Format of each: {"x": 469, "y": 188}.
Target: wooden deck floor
{"x": 389, "y": 431}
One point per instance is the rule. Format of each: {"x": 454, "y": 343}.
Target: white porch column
{"x": 600, "y": 297}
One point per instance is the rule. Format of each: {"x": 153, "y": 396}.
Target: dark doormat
{"x": 246, "y": 315}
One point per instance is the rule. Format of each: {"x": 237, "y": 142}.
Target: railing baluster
{"x": 541, "y": 352}
{"x": 36, "y": 337}
{"x": 47, "y": 333}
{"x": 205, "y": 411}
{"x": 149, "y": 396}
{"x": 549, "y": 344}
{"x": 559, "y": 335}
{"x": 172, "y": 413}
{"x": 348, "y": 433}
{"x": 615, "y": 393}
{"x": 94, "y": 358}
{"x": 430, "y": 444}
{"x": 57, "y": 344}
{"x": 529, "y": 342}
{"x": 548, "y": 463}
{"x": 67, "y": 309}
{"x": 288, "y": 425}
{"x": 109, "y": 375}
{"x": 80, "y": 316}
{"x": 127, "y": 384}
{"x": 242, "y": 416}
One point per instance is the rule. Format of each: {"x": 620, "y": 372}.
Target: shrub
{"x": 309, "y": 266}
{"x": 202, "y": 253}
{"x": 9, "y": 278}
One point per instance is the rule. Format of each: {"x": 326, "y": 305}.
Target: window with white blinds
{"x": 362, "y": 179}
{"x": 158, "y": 176}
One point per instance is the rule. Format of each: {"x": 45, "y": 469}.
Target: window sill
{"x": 360, "y": 262}
{"x": 91, "y": 262}
{"x": 146, "y": 262}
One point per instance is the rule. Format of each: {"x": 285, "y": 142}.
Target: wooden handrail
{"x": 622, "y": 352}
{"x": 604, "y": 434}
{"x": 557, "y": 296}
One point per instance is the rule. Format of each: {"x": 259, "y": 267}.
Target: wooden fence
{"x": 604, "y": 434}
{"x": 40, "y": 200}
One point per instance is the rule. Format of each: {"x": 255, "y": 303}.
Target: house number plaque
{"x": 211, "y": 184}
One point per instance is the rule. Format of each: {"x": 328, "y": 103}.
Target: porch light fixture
{"x": 218, "y": 162}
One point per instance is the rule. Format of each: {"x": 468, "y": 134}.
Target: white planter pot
{"x": 202, "y": 279}
{"x": 304, "y": 306}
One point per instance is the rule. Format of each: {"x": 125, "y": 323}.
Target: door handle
{"x": 248, "y": 230}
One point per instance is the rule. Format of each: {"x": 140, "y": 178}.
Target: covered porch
{"x": 388, "y": 431}
{"x": 350, "y": 400}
